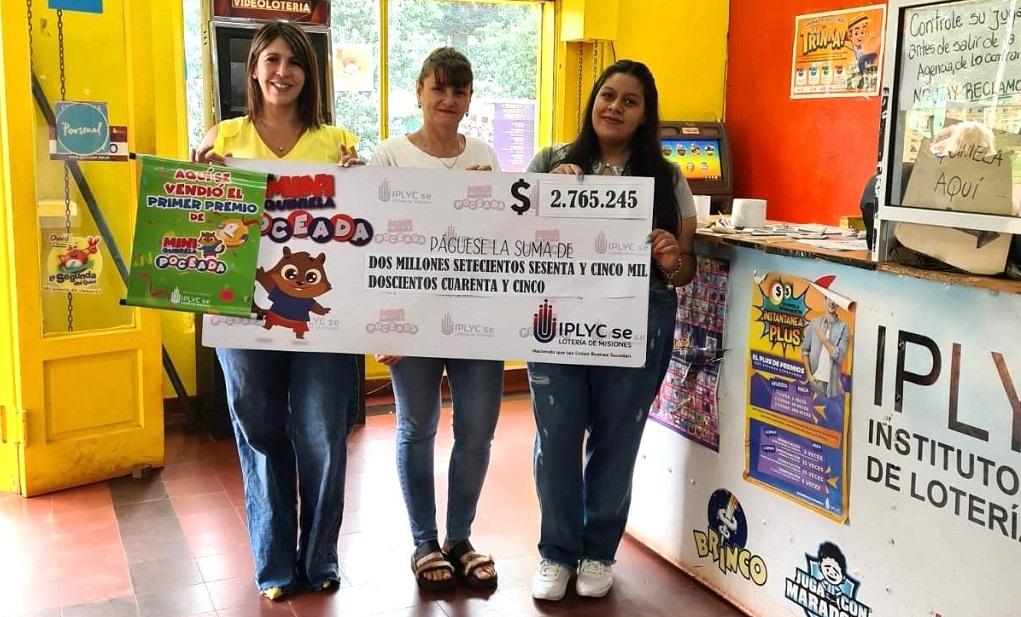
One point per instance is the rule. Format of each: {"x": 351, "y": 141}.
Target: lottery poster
{"x": 196, "y": 242}
{"x": 799, "y": 390}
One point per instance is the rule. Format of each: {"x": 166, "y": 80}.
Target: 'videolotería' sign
{"x": 305, "y": 11}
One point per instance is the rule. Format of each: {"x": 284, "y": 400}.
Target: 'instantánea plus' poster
{"x": 799, "y": 390}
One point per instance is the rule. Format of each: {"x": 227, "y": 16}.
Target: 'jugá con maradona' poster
{"x": 196, "y": 242}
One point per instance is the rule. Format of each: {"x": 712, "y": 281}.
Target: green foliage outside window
{"x": 501, "y": 40}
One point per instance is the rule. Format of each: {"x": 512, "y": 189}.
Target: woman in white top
{"x": 444, "y": 91}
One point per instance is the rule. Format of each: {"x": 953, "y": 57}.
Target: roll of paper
{"x": 748, "y": 213}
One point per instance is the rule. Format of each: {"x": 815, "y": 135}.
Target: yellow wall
{"x": 684, "y": 42}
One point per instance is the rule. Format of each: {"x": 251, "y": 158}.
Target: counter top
{"x": 782, "y": 245}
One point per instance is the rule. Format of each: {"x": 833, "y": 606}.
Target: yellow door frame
{"x": 16, "y": 180}
{"x": 53, "y": 393}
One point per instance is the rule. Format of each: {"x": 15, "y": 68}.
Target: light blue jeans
{"x": 476, "y": 388}
{"x": 584, "y": 505}
{"x": 292, "y": 413}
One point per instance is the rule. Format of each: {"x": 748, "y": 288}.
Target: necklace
{"x": 281, "y": 148}
{"x": 452, "y": 163}
{"x": 441, "y": 159}
{"x": 599, "y": 167}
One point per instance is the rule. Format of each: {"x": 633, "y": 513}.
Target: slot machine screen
{"x": 699, "y": 159}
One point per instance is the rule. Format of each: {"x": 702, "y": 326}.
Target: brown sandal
{"x": 468, "y": 562}
{"x": 429, "y": 558}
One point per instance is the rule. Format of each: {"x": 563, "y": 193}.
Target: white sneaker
{"x": 594, "y": 578}
{"x": 550, "y": 581}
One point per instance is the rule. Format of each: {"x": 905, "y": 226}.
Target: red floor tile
{"x": 264, "y": 608}
{"x": 236, "y": 497}
{"x": 222, "y": 566}
{"x": 233, "y": 593}
{"x": 19, "y": 543}
{"x": 76, "y": 524}
{"x": 17, "y": 507}
{"x": 29, "y": 568}
{"x": 193, "y": 486}
{"x": 88, "y": 587}
{"x": 86, "y": 541}
{"x": 204, "y": 502}
{"x": 26, "y": 530}
{"x": 72, "y": 550}
{"x": 231, "y": 480}
{"x": 211, "y": 521}
{"x": 188, "y": 469}
{"x": 344, "y": 601}
{"x": 34, "y": 596}
{"x": 216, "y": 543}
{"x": 184, "y": 601}
{"x": 82, "y": 498}
{"x": 75, "y": 559}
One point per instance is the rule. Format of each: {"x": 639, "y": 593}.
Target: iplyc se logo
{"x": 544, "y": 323}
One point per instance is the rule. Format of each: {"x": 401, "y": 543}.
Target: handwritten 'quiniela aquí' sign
{"x": 968, "y": 177}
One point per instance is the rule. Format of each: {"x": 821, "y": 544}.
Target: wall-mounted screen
{"x": 702, "y": 152}
{"x": 699, "y": 159}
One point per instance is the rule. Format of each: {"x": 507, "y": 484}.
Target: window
{"x": 502, "y": 42}
{"x": 354, "y": 28}
{"x": 957, "y": 115}
{"x": 501, "y": 38}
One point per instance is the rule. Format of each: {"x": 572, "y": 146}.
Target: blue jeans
{"x": 476, "y": 388}
{"x": 292, "y": 413}
{"x": 584, "y": 508}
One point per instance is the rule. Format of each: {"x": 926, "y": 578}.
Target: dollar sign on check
{"x": 518, "y": 191}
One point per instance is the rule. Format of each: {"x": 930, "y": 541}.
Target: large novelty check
{"x": 449, "y": 264}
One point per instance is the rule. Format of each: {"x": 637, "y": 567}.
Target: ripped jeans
{"x": 584, "y": 505}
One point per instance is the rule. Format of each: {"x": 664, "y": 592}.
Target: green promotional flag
{"x": 196, "y": 242}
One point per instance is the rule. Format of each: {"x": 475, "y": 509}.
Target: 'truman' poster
{"x": 838, "y": 53}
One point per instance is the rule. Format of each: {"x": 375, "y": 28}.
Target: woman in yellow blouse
{"x": 291, "y": 411}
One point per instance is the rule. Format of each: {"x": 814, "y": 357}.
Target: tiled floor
{"x": 175, "y": 545}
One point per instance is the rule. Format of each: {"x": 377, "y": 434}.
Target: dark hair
{"x": 310, "y": 106}
{"x": 832, "y": 551}
{"x": 646, "y": 153}
{"x": 450, "y": 68}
